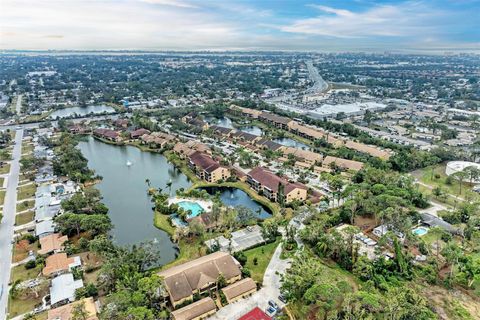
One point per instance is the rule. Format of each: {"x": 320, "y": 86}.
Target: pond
{"x": 222, "y": 122}
{"x": 235, "y": 197}
{"x": 124, "y": 191}
{"x": 252, "y": 130}
{"x": 289, "y": 142}
{"x": 80, "y": 111}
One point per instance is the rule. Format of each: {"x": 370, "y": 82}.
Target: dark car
{"x": 272, "y": 304}
{"x": 282, "y": 298}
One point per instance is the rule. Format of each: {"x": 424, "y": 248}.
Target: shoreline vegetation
{"x": 188, "y": 249}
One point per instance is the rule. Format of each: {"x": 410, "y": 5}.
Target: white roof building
{"x": 63, "y": 288}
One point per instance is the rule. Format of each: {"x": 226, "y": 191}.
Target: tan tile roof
{"x": 57, "y": 262}
{"x": 65, "y": 312}
{"x": 270, "y": 180}
{"x": 254, "y": 113}
{"x": 238, "y": 288}
{"x": 183, "y": 279}
{"x": 342, "y": 163}
{"x": 373, "y": 151}
{"x": 52, "y": 243}
{"x": 302, "y": 154}
{"x": 195, "y": 310}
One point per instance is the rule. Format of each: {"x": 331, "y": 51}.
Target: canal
{"x": 124, "y": 191}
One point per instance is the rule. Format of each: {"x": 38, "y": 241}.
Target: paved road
{"x": 269, "y": 291}
{"x": 6, "y": 225}
{"x": 319, "y": 85}
{"x": 19, "y": 104}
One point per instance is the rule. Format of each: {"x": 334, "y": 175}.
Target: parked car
{"x": 282, "y": 298}
{"x": 273, "y": 304}
{"x": 271, "y": 311}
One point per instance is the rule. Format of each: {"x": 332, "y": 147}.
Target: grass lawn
{"x": 2, "y": 196}
{"x": 23, "y": 218}
{"x": 22, "y": 274}
{"x": 263, "y": 255}
{"x": 26, "y": 303}
{"x": 162, "y": 222}
{"x": 27, "y": 148}
{"x": 5, "y": 169}
{"x": 21, "y": 249}
{"x": 189, "y": 249}
{"x": 26, "y": 192}
{"x": 1, "y": 181}
{"x": 435, "y": 176}
{"x": 25, "y": 205}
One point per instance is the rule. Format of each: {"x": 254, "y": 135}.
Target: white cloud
{"x": 407, "y": 19}
{"x": 173, "y": 3}
{"x": 108, "y": 24}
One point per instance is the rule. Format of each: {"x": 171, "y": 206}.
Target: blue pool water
{"x": 194, "y": 208}
{"x": 420, "y": 231}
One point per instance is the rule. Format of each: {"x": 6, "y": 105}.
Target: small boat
{"x": 129, "y": 163}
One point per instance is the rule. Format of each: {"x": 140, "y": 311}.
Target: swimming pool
{"x": 420, "y": 231}
{"x": 194, "y": 208}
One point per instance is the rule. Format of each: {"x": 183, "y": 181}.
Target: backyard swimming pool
{"x": 194, "y": 208}
{"x": 420, "y": 231}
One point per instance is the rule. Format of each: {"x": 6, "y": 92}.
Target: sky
{"x": 315, "y": 25}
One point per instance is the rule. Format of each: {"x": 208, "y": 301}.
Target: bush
{"x": 255, "y": 261}
{"x": 246, "y": 272}
{"x": 30, "y": 264}
{"x": 241, "y": 257}
{"x": 29, "y": 237}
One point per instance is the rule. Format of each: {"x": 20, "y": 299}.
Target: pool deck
{"x": 205, "y": 204}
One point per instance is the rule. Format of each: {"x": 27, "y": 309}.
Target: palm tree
{"x": 147, "y": 181}
{"x": 169, "y": 186}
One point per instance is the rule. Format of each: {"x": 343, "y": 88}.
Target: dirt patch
{"x": 447, "y": 303}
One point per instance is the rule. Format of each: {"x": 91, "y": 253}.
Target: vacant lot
{"x": 23, "y": 218}
{"x": 26, "y": 192}
{"x": 25, "y": 205}
{"x": 5, "y": 168}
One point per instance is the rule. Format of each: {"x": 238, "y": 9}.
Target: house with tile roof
{"x": 199, "y": 275}
{"x": 268, "y": 184}
{"x": 206, "y": 168}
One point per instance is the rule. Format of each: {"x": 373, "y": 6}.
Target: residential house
{"x": 107, "y": 134}
{"x": 62, "y": 290}
{"x": 199, "y": 275}
{"x": 275, "y": 120}
{"x": 138, "y": 133}
{"x": 345, "y": 164}
{"x": 268, "y": 184}
{"x": 206, "y": 168}
{"x": 239, "y": 289}
{"x": 52, "y": 243}
{"x": 246, "y": 112}
{"x": 44, "y": 228}
{"x": 307, "y": 156}
{"x": 195, "y": 311}
{"x": 66, "y": 312}
{"x": 59, "y": 263}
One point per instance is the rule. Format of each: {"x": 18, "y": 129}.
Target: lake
{"x": 235, "y": 197}
{"x": 289, "y": 142}
{"x": 222, "y": 122}
{"x": 124, "y": 191}
{"x": 80, "y": 111}
{"x": 252, "y": 130}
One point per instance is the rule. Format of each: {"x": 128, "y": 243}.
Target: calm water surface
{"x": 124, "y": 191}
{"x": 80, "y": 111}
{"x": 289, "y": 142}
{"x": 252, "y": 130}
{"x": 236, "y": 197}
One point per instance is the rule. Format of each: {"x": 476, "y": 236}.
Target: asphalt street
{"x": 6, "y": 225}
